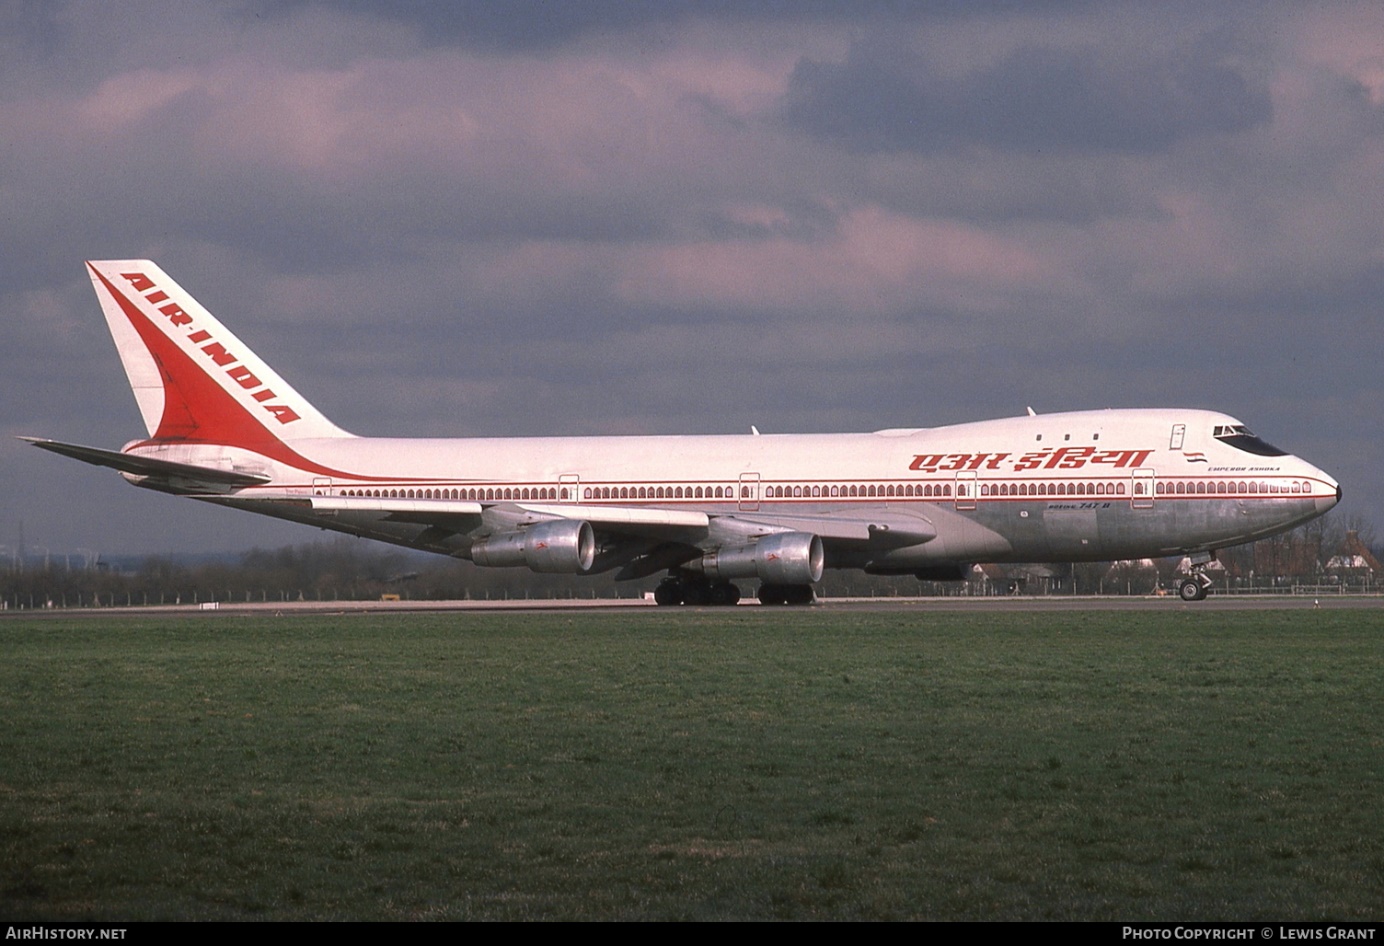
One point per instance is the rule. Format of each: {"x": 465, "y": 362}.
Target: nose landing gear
{"x": 1192, "y": 589}
{"x": 1195, "y": 586}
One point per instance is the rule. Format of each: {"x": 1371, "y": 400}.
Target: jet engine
{"x": 785, "y": 558}
{"x": 559, "y": 547}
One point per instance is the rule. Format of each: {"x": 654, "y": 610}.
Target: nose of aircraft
{"x": 1326, "y": 502}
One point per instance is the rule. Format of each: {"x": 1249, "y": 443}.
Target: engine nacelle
{"x": 560, "y": 547}
{"x": 785, "y": 558}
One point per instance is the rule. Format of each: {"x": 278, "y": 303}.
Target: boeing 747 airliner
{"x": 224, "y": 428}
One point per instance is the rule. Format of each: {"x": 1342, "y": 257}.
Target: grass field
{"x": 750, "y": 763}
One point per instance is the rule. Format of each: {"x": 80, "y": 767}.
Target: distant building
{"x": 1355, "y": 560}
{"x": 1013, "y": 579}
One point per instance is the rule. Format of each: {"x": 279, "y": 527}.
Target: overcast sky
{"x": 490, "y": 218}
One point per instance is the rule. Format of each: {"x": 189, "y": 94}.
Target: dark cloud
{"x": 537, "y": 25}
{"x": 32, "y": 31}
{"x": 533, "y": 218}
{"x": 1036, "y": 98}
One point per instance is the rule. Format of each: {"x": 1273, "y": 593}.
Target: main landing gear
{"x": 786, "y": 594}
{"x": 1195, "y": 586}
{"x": 697, "y": 592}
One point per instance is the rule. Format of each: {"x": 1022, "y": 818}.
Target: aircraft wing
{"x": 641, "y": 542}
{"x": 880, "y": 526}
{"x": 508, "y": 515}
{"x": 415, "y": 508}
{"x": 150, "y": 467}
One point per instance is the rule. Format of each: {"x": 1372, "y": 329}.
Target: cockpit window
{"x": 1242, "y": 438}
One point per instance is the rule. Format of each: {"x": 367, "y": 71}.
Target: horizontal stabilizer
{"x": 148, "y": 466}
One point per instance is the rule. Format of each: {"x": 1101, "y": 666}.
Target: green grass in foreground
{"x": 754, "y": 763}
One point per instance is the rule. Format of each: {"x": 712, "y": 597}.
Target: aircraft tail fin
{"x": 194, "y": 380}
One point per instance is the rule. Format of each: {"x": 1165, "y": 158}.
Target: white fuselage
{"x": 1075, "y": 486}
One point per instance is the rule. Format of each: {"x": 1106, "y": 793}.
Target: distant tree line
{"x": 354, "y": 570}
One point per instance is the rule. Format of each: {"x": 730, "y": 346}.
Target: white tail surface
{"x": 194, "y": 380}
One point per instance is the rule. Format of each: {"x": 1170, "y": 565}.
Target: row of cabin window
{"x": 1240, "y": 488}
{"x": 478, "y": 495}
{"x": 814, "y": 492}
{"x": 1116, "y": 488}
{"x": 1050, "y": 489}
{"x": 662, "y": 492}
{"x": 653, "y": 492}
{"x": 925, "y": 491}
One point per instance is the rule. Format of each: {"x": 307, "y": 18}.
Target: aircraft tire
{"x": 1191, "y": 590}
{"x": 725, "y": 593}
{"x": 674, "y": 592}
{"x": 786, "y": 594}
{"x": 696, "y": 593}
{"x": 668, "y": 594}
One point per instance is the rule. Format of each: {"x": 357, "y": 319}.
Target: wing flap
{"x": 449, "y": 515}
{"x": 880, "y": 526}
{"x": 624, "y": 519}
{"x": 672, "y": 524}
